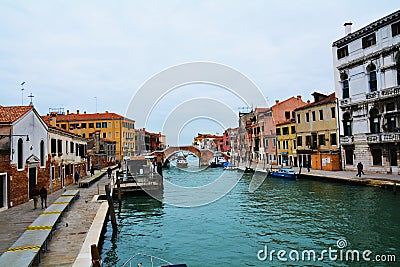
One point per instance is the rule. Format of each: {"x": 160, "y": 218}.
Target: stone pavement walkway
{"x": 71, "y": 230}
{"x": 336, "y": 174}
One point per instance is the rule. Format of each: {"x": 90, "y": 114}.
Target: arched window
{"x": 373, "y": 85}
{"x": 374, "y": 120}
{"x": 344, "y": 79}
{"x": 42, "y": 159}
{"x": 347, "y": 124}
{"x": 20, "y": 153}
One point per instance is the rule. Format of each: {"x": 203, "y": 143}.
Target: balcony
{"x": 389, "y": 92}
{"x": 383, "y": 138}
{"x": 346, "y": 140}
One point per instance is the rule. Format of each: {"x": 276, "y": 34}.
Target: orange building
{"x": 111, "y": 126}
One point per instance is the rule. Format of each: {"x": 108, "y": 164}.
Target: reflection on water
{"x": 282, "y": 214}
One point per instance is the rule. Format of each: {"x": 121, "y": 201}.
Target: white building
{"x": 367, "y": 84}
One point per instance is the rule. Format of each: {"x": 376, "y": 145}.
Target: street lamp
{"x": 10, "y": 135}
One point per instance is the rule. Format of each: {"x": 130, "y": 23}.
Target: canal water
{"x": 236, "y": 230}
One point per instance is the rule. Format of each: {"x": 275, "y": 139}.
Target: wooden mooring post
{"x": 111, "y": 207}
{"x": 119, "y": 190}
{"x": 95, "y": 256}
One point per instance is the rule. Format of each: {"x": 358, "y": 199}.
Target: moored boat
{"x": 287, "y": 173}
{"x": 229, "y": 166}
{"x": 181, "y": 162}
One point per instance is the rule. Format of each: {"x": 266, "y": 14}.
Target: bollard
{"x": 95, "y": 256}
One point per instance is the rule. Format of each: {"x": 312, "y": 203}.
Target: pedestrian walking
{"x": 309, "y": 165}
{"x": 109, "y": 171}
{"x": 360, "y": 168}
{"x": 35, "y": 196}
{"x": 92, "y": 170}
{"x": 76, "y": 177}
{"x": 119, "y": 165}
{"x": 43, "y": 196}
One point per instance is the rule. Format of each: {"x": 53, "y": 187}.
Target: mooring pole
{"x": 95, "y": 256}
{"x": 119, "y": 190}
{"x": 111, "y": 207}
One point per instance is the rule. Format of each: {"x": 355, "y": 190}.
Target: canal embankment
{"x": 387, "y": 181}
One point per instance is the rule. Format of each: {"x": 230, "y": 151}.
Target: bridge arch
{"x": 204, "y": 155}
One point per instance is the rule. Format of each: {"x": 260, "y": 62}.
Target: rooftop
{"x": 13, "y": 113}
{"x": 83, "y": 117}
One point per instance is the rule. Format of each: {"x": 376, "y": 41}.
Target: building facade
{"x": 367, "y": 84}
{"x": 112, "y": 126}
{"x": 286, "y": 143}
{"x": 23, "y": 154}
{"x": 317, "y": 133}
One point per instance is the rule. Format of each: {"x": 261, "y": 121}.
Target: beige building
{"x": 317, "y": 133}
{"x": 111, "y": 126}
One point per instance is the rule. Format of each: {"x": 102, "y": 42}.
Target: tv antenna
{"x": 22, "y": 92}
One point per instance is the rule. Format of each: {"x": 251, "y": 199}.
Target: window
{"x": 368, "y": 40}
{"x": 278, "y": 131}
{"x": 391, "y": 123}
{"x": 84, "y": 135}
{"x": 53, "y": 170}
{"x": 287, "y": 115}
{"x": 395, "y": 29}
{"x": 321, "y": 115}
{"x": 333, "y": 112}
{"x": 76, "y": 149}
{"x": 285, "y": 130}
{"x": 98, "y": 124}
{"x": 333, "y": 139}
{"x": 313, "y": 115}
{"x": 307, "y": 117}
{"x": 83, "y": 125}
{"x": 72, "y": 145}
{"x": 374, "y": 121}
{"x": 308, "y": 140}
{"x": 376, "y": 157}
{"x": 344, "y": 79}
{"x": 398, "y": 67}
{"x": 293, "y": 129}
{"x": 314, "y": 143}
{"x": 53, "y": 146}
{"x": 294, "y": 144}
{"x": 342, "y": 52}
{"x": 20, "y": 151}
{"x": 372, "y": 78}
{"x": 299, "y": 140}
{"x": 279, "y": 145}
{"x": 91, "y": 125}
{"x": 298, "y": 118}
{"x": 66, "y": 147}
{"x": 64, "y": 126}
{"x": 266, "y": 142}
{"x": 274, "y": 142}
{"x": 42, "y": 155}
{"x": 104, "y": 135}
{"x": 104, "y": 125}
{"x": 321, "y": 139}
{"x": 347, "y": 124}
{"x": 59, "y": 147}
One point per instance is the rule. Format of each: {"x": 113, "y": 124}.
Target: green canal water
{"x": 281, "y": 215}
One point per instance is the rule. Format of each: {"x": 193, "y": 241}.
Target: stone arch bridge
{"x": 204, "y": 155}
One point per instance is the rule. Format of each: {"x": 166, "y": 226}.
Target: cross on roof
{"x": 31, "y": 97}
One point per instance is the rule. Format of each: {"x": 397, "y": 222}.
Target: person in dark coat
{"x": 92, "y": 171}
{"x": 109, "y": 171}
{"x": 360, "y": 168}
{"x": 43, "y": 196}
{"x": 76, "y": 177}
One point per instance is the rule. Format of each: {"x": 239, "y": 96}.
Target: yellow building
{"x": 111, "y": 126}
{"x": 317, "y": 133}
{"x": 286, "y": 143}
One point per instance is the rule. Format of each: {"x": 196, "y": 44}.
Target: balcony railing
{"x": 346, "y": 140}
{"x": 392, "y": 91}
{"x": 383, "y": 138}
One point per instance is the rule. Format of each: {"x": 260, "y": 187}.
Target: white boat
{"x": 217, "y": 161}
{"x": 181, "y": 162}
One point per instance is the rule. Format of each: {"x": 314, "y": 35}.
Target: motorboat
{"x": 287, "y": 173}
{"x": 181, "y": 162}
{"x": 229, "y": 166}
{"x": 217, "y": 161}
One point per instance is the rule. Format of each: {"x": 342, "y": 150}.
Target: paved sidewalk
{"x": 67, "y": 240}
{"x": 334, "y": 174}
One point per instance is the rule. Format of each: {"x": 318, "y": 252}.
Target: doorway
{"x": 32, "y": 180}
{"x": 393, "y": 156}
{"x": 3, "y": 190}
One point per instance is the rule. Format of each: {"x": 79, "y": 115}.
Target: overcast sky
{"x": 69, "y": 52}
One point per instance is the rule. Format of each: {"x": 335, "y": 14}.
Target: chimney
{"x": 276, "y": 101}
{"x": 106, "y": 111}
{"x": 53, "y": 119}
{"x": 299, "y": 97}
{"x": 67, "y": 111}
{"x": 84, "y": 112}
{"x": 308, "y": 101}
{"x": 77, "y": 111}
{"x": 347, "y": 28}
